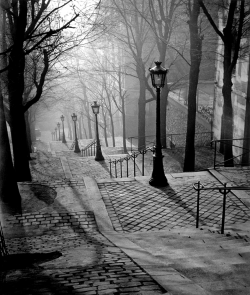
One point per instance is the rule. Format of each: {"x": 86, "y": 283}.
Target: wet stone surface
{"x": 46, "y": 168}
{"x": 103, "y": 269}
{"x": 133, "y": 207}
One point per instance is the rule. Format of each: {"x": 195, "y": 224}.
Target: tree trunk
{"x": 124, "y": 127}
{"x": 227, "y": 107}
{"x": 9, "y": 193}
{"x": 69, "y": 127}
{"x": 28, "y": 131}
{"x": 246, "y": 143}
{"x": 140, "y": 70}
{"x": 195, "y": 55}
{"x": 163, "y": 110}
{"x": 112, "y": 128}
{"x": 16, "y": 88}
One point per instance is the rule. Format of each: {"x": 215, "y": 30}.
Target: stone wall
{"x": 177, "y": 124}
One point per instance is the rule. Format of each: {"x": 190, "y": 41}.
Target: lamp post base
{"x": 99, "y": 156}
{"x": 158, "y": 177}
{"x": 77, "y": 149}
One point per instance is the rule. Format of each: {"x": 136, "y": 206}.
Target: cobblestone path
{"x": 46, "y": 168}
{"x": 238, "y": 175}
{"x": 57, "y": 221}
{"x": 134, "y": 207}
{"x": 104, "y": 269}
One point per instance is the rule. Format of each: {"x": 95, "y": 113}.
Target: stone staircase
{"x": 220, "y": 264}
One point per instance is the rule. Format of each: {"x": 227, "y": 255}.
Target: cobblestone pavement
{"x": 135, "y": 207}
{"x": 89, "y": 264}
{"x": 238, "y": 175}
{"x": 45, "y": 168}
{"x": 58, "y": 217}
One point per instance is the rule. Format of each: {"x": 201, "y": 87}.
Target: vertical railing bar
{"x": 121, "y": 166}
{"x": 224, "y": 209}
{"x": 127, "y": 165}
{"x": 134, "y": 166}
{"x": 115, "y": 170}
{"x": 110, "y": 169}
{"x": 215, "y": 148}
{"x": 142, "y": 163}
{"x": 198, "y": 205}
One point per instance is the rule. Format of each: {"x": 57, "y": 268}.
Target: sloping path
{"x": 122, "y": 236}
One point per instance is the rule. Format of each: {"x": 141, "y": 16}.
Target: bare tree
{"x": 193, "y": 9}
{"x": 34, "y": 26}
{"x": 235, "y": 17}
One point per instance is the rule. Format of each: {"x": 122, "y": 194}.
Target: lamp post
{"x": 58, "y": 127}
{"x": 63, "y": 134}
{"x": 77, "y": 149}
{"x": 55, "y": 133}
{"x": 98, "y": 156}
{"x": 158, "y": 178}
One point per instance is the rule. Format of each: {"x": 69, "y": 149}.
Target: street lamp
{"x": 77, "y": 149}
{"x": 98, "y": 156}
{"x": 55, "y": 133}
{"x": 58, "y": 126}
{"x": 158, "y": 177}
{"x": 63, "y": 134}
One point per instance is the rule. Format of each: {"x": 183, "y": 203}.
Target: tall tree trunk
{"x": 195, "y": 55}
{"x": 9, "y": 193}
{"x": 246, "y": 143}
{"x": 227, "y": 107}
{"x": 140, "y": 69}
{"x": 163, "y": 111}
{"x": 105, "y": 128}
{"x": 112, "y": 127}
{"x": 16, "y": 89}
{"x": 68, "y": 119}
{"x": 28, "y": 131}
{"x": 124, "y": 126}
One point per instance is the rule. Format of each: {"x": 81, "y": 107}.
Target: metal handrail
{"x": 223, "y": 190}
{"x": 170, "y": 137}
{"x": 127, "y": 158}
{"x": 221, "y": 164}
{"x": 89, "y": 150}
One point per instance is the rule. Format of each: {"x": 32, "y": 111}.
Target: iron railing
{"x": 223, "y": 190}
{"x": 175, "y": 140}
{"x": 132, "y": 156}
{"x": 238, "y": 151}
{"x": 89, "y": 150}
{"x": 149, "y": 140}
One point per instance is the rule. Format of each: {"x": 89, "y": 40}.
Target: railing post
{"x": 127, "y": 165}
{"x": 115, "y": 170}
{"x": 143, "y": 163}
{"x": 131, "y": 144}
{"x": 215, "y": 148}
{"x": 198, "y": 205}
{"x": 134, "y": 166}
{"x": 110, "y": 169}
{"x": 121, "y": 166}
{"x": 224, "y": 209}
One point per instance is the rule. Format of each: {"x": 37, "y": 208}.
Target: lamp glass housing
{"x": 95, "y": 108}
{"x": 58, "y": 125}
{"x": 158, "y": 75}
{"x": 62, "y": 118}
{"x": 74, "y": 117}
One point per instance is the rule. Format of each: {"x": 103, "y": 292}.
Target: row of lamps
{"x": 95, "y": 109}
{"x": 158, "y": 177}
